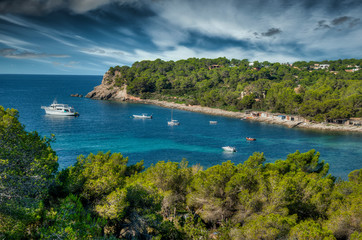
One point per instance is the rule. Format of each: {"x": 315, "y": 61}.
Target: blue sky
{"x": 89, "y": 36}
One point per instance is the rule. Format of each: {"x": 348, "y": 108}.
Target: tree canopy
{"x": 317, "y": 94}
{"x": 103, "y": 197}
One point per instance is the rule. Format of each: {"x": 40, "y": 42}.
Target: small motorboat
{"x": 229, "y": 149}
{"x": 59, "y": 109}
{"x": 213, "y": 122}
{"x": 250, "y": 139}
{"x": 143, "y": 116}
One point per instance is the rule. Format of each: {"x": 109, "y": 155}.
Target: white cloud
{"x": 103, "y": 52}
{"x": 164, "y": 34}
{"x": 216, "y": 18}
{"x": 86, "y": 5}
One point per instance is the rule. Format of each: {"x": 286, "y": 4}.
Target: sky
{"x": 89, "y": 36}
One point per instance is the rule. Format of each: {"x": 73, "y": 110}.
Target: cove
{"x": 108, "y": 126}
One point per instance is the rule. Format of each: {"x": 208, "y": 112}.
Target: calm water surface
{"x": 108, "y": 126}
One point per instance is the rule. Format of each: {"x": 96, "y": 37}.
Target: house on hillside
{"x": 355, "y": 121}
{"x": 323, "y": 66}
{"x": 264, "y": 114}
{"x": 214, "y": 66}
{"x": 338, "y": 121}
{"x": 317, "y": 66}
{"x": 289, "y": 118}
{"x": 351, "y": 68}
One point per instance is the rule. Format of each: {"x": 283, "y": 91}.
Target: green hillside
{"x": 308, "y": 89}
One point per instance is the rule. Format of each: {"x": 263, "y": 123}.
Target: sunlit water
{"x": 108, "y": 126}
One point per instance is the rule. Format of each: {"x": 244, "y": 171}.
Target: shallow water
{"x": 108, "y": 126}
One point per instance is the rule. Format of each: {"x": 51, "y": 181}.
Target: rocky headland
{"x": 107, "y": 90}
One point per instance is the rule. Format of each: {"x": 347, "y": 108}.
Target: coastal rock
{"x": 76, "y": 95}
{"x": 107, "y": 89}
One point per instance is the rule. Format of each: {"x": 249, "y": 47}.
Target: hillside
{"x": 323, "y": 91}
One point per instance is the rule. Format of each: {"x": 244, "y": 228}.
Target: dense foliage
{"x": 27, "y": 170}
{"x": 102, "y": 197}
{"x": 317, "y": 94}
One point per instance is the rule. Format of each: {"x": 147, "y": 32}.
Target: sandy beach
{"x": 241, "y": 115}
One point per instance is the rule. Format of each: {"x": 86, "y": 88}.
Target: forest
{"x": 307, "y": 89}
{"x": 103, "y": 197}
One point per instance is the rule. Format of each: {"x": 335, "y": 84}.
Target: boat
{"x": 143, "y": 116}
{"x": 250, "y": 139}
{"x": 213, "y": 122}
{"x": 59, "y": 109}
{"x": 173, "y": 122}
{"x": 229, "y": 149}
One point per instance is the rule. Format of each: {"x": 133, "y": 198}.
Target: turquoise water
{"x": 108, "y": 126}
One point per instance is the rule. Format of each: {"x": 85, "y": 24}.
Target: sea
{"x": 109, "y": 126}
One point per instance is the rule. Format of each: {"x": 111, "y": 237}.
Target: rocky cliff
{"x": 108, "y": 91}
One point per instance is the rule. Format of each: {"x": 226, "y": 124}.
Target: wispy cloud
{"x": 70, "y": 64}
{"x": 339, "y": 23}
{"x": 322, "y": 24}
{"x": 14, "y": 53}
{"x": 59, "y": 36}
{"x": 271, "y": 32}
{"x": 14, "y": 42}
{"x": 103, "y": 52}
{"x": 40, "y": 7}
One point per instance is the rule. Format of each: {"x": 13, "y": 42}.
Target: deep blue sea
{"x": 108, "y": 126}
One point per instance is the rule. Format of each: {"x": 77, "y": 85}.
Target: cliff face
{"x": 107, "y": 90}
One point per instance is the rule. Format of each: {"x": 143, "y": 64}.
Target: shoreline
{"x": 107, "y": 91}
{"x": 241, "y": 115}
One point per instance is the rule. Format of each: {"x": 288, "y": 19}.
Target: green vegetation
{"x": 102, "y": 197}
{"x": 27, "y": 170}
{"x": 316, "y": 94}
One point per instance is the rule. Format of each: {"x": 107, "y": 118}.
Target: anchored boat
{"x": 250, "y": 139}
{"x": 59, "y": 109}
{"x": 173, "y": 122}
{"x": 229, "y": 149}
{"x": 143, "y": 116}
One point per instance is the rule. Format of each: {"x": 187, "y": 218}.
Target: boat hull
{"x": 142, "y": 116}
{"x": 58, "y": 113}
{"x": 250, "y": 139}
{"x": 229, "y": 149}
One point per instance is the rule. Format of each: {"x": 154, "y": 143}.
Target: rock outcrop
{"x": 108, "y": 90}
{"x": 76, "y": 95}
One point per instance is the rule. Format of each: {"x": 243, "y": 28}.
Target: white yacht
{"x": 143, "y": 116}
{"x": 173, "y": 122}
{"x": 229, "y": 149}
{"x": 59, "y": 109}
